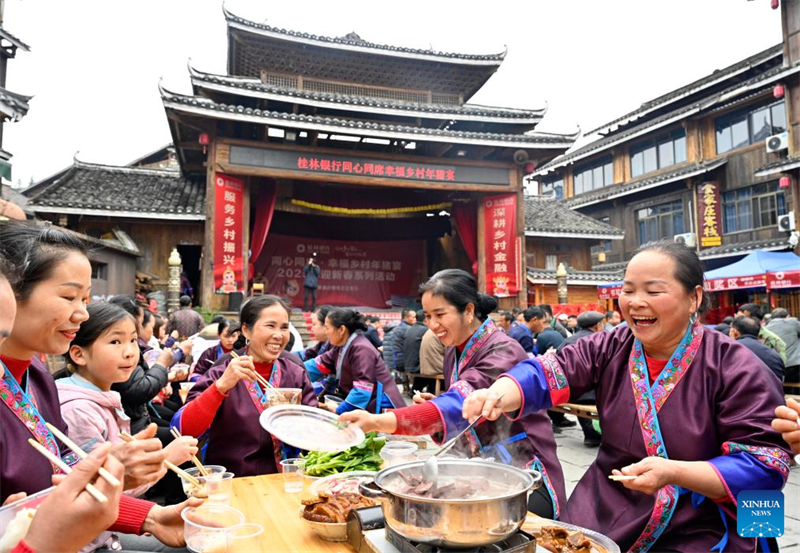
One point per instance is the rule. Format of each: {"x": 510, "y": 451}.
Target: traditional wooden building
{"x": 556, "y": 235}
{"x": 13, "y": 106}
{"x": 153, "y": 205}
{"x": 370, "y": 156}
{"x": 689, "y": 165}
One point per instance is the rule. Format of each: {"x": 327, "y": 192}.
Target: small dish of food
{"x": 283, "y": 396}
{"x": 327, "y": 514}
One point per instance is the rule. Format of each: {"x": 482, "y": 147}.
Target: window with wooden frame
{"x": 660, "y": 221}
{"x": 749, "y": 125}
{"x": 753, "y": 207}
{"x": 553, "y": 186}
{"x": 594, "y": 175}
{"x": 658, "y": 152}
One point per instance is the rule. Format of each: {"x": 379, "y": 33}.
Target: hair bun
{"x": 486, "y": 304}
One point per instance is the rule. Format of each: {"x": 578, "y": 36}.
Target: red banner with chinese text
{"x": 783, "y": 279}
{"x": 609, "y": 292}
{"x": 353, "y": 273}
{"x": 709, "y": 215}
{"x": 228, "y": 240}
{"x": 736, "y": 283}
{"x": 502, "y": 251}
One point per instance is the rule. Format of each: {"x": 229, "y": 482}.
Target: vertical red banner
{"x": 502, "y": 252}
{"x": 228, "y": 238}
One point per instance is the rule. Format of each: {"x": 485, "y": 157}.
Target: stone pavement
{"x": 575, "y": 459}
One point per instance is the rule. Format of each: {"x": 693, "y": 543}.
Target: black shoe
{"x": 556, "y": 430}
{"x": 591, "y": 441}
{"x": 565, "y": 423}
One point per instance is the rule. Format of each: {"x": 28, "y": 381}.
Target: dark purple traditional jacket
{"x": 362, "y": 363}
{"x": 236, "y": 439}
{"x": 206, "y": 360}
{"x": 21, "y": 468}
{"x": 719, "y": 411}
{"x": 537, "y": 449}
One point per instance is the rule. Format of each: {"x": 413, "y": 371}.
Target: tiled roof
{"x": 617, "y": 268}
{"x": 643, "y": 183}
{"x": 696, "y": 86}
{"x": 194, "y": 104}
{"x": 759, "y": 82}
{"x": 120, "y": 191}
{"x": 254, "y": 87}
{"x": 780, "y": 166}
{"x": 586, "y": 278}
{"x": 5, "y": 35}
{"x": 548, "y": 217}
{"x": 12, "y": 105}
{"x": 352, "y": 40}
{"x": 743, "y": 248}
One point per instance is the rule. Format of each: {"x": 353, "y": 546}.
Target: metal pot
{"x": 458, "y": 523}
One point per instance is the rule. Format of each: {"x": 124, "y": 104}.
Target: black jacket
{"x": 574, "y": 338}
{"x": 768, "y": 356}
{"x": 311, "y": 275}
{"x": 411, "y": 346}
{"x": 371, "y": 334}
{"x": 393, "y": 347}
{"x": 143, "y": 385}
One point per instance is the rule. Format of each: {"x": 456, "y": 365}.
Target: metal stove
{"x": 521, "y": 542}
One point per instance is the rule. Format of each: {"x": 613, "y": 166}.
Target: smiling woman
{"x": 667, "y": 389}
{"x": 226, "y": 402}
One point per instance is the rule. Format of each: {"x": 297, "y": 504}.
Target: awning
{"x": 759, "y": 269}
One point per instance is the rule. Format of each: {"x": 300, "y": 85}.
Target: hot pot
{"x": 474, "y": 521}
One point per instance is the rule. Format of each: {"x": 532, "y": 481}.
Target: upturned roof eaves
{"x": 532, "y": 140}
{"x": 726, "y": 97}
{"x": 587, "y": 278}
{"x": 252, "y": 87}
{"x": 14, "y": 40}
{"x": 363, "y": 45}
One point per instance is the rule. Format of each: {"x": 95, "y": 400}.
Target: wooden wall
{"x": 545, "y": 293}
{"x": 120, "y": 272}
{"x": 573, "y": 251}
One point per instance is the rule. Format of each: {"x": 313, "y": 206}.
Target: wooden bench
{"x": 439, "y": 378}
{"x": 577, "y": 409}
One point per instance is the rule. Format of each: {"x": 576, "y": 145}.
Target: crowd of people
{"x": 688, "y": 413}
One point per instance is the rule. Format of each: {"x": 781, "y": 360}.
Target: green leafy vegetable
{"x": 364, "y": 456}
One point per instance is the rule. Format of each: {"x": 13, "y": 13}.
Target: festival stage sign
{"x": 709, "y": 215}
{"x": 228, "y": 239}
{"x": 353, "y": 273}
{"x": 362, "y": 166}
{"x": 502, "y": 245}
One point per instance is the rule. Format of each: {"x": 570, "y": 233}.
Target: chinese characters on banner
{"x": 387, "y": 169}
{"x": 502, "y": 251}
{"x": 353, "y": 273}
{"x": 783, "y": 279}
{"x": 709, "y": 216}
{"x": 228, "y": 206}
{"x": 736, "y": 283}
{"x": 609, "y": 291}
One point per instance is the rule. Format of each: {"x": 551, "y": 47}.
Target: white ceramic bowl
{"x": 328, "y": 531}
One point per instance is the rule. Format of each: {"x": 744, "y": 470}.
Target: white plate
{"x": 322, "y": 483}
{"x": 309, "y": 428}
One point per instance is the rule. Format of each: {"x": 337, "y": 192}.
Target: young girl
{"x": 104, "y": 352}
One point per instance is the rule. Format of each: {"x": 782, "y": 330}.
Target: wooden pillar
{"x": 522, "y": 269}
{"x": 207, "y": 266}
{"x": 481, "y": 245}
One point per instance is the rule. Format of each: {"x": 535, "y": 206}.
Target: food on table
{"x": 347, "y": 484}
{"x": 364, "y": 456}
{"x": 333, "y": 508}
{"x": 454, "y": 487}
{"x": 561, "y": 540}
{"x": 16, "y": 530}
{"x": 283, "y": 396}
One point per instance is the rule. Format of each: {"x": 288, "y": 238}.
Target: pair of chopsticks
{"x": 260, "y": 379}
{"x": 90, "y": 488}
{"x": 124, "y": 436}
{"x": 203, "y": 470}
{"x": 621, "y": 477}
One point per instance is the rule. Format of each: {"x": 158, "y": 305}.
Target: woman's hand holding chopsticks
{"x": 143, "y": 458}
{"x": 69, "y": 517}
{"x": 241, "y": 367}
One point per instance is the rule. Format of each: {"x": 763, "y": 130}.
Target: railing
{"x": 298, "y": 82}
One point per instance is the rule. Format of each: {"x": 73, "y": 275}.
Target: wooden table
{"x": 262, "y": 500}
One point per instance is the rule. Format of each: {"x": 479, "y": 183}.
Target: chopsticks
{"x": 90, "y": 488}
{"x": 107, "y": 476}
{"x": 621, "y": 477}
{"x": 195, "y": 460}
{"x": 261, "y": 380}
{"x": 124, "y": 436}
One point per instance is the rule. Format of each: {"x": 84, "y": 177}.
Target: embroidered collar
{"x": 17, "y": 367}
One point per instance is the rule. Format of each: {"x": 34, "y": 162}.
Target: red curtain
{"x": 265, "y": 208}
{"x": 465, "y": 216}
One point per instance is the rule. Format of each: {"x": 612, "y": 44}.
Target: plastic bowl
{"x": 15, "y": 518}
{"x": 205, "y": 528}
{"x": 284, "y": 396}
{"x": 397, "y": 453}
{"x": 194, "y": 471}
{"x": 328, "y": 531}
{"x": 333, "y": 401}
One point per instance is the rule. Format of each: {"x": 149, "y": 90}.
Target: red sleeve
{"x": 198, "y": 414}
{"x": 418, "y": 420}
{"x": 22, "y": 547}
{"x": 132, "y": 513}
